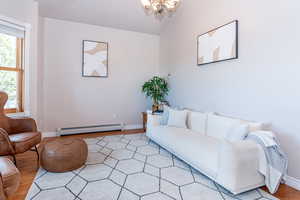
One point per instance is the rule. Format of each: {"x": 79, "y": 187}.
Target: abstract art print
{"x": 218, "y": 44}
{"x": 95, "y": 59}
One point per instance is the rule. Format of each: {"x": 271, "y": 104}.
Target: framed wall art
{"x": 218, "y": 45}
{"x": 95, "y": 59}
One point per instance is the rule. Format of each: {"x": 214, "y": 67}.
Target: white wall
{"x": 72, "y": 100}
{"x": 26, "y": 11}
{"x": 262, "y": 85}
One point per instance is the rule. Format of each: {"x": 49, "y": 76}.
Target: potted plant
{"x": 156, "y": 88}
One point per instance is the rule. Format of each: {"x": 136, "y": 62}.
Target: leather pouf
{"x": 62, "y": 155}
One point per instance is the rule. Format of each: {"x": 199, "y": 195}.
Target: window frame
{"x": 28, "y": 50}
{"x": 20, "y": 77}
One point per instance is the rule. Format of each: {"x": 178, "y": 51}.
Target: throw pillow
{"x": 165, "y": 116}
{"x": 238, "y": 132}
{"x": 177, "y": 118}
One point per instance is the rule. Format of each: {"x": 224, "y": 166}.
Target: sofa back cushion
{"x": 219, "y": 126}
{"x": 196, "y": 121}
{"x": 237, "y": 132}
{"x": 177, "y": 118}
{"x": 253, "y": 126}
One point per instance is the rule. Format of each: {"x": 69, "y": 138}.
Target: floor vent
{"x": 89, "y": 129}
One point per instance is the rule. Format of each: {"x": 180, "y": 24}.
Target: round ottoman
{"x": 62, "y": 155}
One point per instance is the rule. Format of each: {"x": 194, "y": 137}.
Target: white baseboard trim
{"x": 49, "y": 134}
{"x": 126, "y": 127}
{"x": 133, "y": 126}
{"x": 292, "y": 182}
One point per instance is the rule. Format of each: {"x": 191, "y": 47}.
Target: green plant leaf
{"x": 156, "y": 88}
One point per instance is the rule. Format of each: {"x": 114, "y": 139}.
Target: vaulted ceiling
{"x": 122, "y": 14}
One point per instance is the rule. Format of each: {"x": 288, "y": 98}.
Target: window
{"x": 11, "y": 67}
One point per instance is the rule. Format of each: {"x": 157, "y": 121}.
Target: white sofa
{"x": 203, "y": 145}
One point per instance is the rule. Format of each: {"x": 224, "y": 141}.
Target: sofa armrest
{"x": 153, "y": 120}
{"x": 238, "y": 164}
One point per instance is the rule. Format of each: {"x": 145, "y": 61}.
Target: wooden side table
{"x": 144, "y": 115}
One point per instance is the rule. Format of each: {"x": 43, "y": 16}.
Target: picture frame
{"x": 219, "y": 44}
{"x": 94, "y": 59}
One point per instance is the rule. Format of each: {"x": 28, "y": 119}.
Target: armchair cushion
{"x": 24, "y": 141}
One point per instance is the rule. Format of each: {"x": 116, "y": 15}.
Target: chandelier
{"x": 160, "y": 7}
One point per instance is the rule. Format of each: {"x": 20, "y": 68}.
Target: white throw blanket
{"x": 275, "y": 164}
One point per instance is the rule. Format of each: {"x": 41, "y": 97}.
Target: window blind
{"x": 12, "y": 29}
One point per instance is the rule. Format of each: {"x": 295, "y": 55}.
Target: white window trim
{"x": 26, "y": 62}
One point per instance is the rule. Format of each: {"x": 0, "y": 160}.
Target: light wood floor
{"x": 28, "y": 167}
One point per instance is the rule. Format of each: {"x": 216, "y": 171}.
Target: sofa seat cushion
{"x": 10, "y": 176}
{"x": 195, "y": 148}
{"x": 24, "y": 141}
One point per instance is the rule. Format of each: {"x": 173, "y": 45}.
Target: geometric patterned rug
{"x": 131, "y": 167}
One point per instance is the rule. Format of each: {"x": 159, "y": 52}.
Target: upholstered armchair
{"x": 9, "y": 178}
{"x": 2, "y": 193}
{"x": 17, "y": 135}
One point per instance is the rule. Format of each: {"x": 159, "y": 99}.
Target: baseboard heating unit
{"x": 89, "y": 129}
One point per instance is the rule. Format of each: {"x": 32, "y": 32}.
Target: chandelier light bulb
{"x": 146, "y": 3}
{"x": 160, "y": 7}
